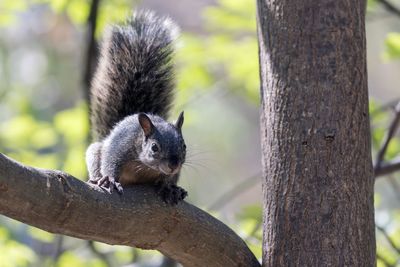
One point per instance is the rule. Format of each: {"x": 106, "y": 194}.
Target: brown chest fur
{"x": 138, "y": 173}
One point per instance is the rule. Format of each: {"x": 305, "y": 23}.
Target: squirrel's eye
{"x": 154, "y": 147}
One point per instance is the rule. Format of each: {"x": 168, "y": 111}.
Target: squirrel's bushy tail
{"x": 135, "y": 72}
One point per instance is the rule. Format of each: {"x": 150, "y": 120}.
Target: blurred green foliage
{"x": 387, "y": 216}
{"x": 392, "y": 43}
{"x": 55, "y": 136}
{"x": 250, "y": 228}
{"x": 57, "y": 144}
{"x": 232, "y": 31}
{"x": 14, "y": 253}
{"x": 76, "y": 10}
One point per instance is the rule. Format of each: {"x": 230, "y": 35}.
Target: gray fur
{"x": 128, "y": 135}
{"x": 135, "y": 72}
{"x": 93, "y": 156}
{"x": 135, "y": 79}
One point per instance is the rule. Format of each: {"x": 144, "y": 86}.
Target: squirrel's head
{"x": 163, "y": 148}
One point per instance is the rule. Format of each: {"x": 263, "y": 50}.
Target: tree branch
{"x": 392, "y": 130}
{"x": 387, "y": 168}
{"x": 235, "y": 191}
{"x": 390, "y": 7}
{"x": 102, "y": 256}
{"x": 91, "y": 49}
{"x": 59, "y": 203}
{"x": 391, "y": 242}
{"x": 384, "y": 261}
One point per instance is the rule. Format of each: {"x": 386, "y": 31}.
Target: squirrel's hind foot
{"x": 171, "y": 193}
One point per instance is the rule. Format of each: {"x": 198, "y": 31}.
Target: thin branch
{"x": 135, "y": 255}
{"x": 100, "y": 255}
{"x": 385, "y": 107}
{"x": 91, "y": 49}
{"x": 390, "y": 7}
{"x": 59, "y": 203}
{"x": 256, "y": 227}
{"x": 387, "y": 168}
{"x": 91, "y": 55}
{"x": 168, "y": 262}
{"x": 234, "y": 192}
{"x": 392, "y": 130}
{"x": 384, "y": 261}
{"x": 58, "y": 247}
{"x": 386, "y": 235}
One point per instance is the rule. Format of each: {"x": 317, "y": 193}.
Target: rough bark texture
{"x": 318, "y": 178}
{"x": 59, "y": 203}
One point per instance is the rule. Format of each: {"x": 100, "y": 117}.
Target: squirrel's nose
{"x": 173, "y": 163}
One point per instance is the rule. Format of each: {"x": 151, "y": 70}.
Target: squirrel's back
{"x": 135, "y": 72}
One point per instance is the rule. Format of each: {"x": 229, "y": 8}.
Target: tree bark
{"x": 59, "y": 203}
{"x": 317, "y": 169}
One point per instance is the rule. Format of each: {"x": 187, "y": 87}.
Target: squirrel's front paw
{"x": 171, "y": 193}
{"x": 108, "y": 183}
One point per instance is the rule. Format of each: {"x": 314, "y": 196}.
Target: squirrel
{"x": 130, "y": 97}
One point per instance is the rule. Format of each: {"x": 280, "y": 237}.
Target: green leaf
{"x": 14, "y": 254}
{"x": 194, "y": 75}
{"x": 44, "y": 136}
{"x": 58, "y": 5}
{"x": 393, "y": 149}
{"x": 73, "y": 124}
{"x": 41, "y": 235}
{"x": 78, "y": 10}
{"x": 256, "y": 249}
{"x": 235, "y": 16}
{"x": 377, "y": 200}
{"x": 75, "y": 161}
{"x": 115, "y": 11}
{"x": 124, "y": 254}
{"x": 13, "y": 5}
{"x": 69, "y": 259}
{"x": 46, "y": 161}
{"x": 384, "y": 249}
{"x": 371, "y": 5}
{"x": 220, "y": 19}
{"x": 377, "y": 136}
{"x": 392, "y": 43}
{"x": 253, "y": 212}
{"x": 16, "y": 132}
{"x": 395, "y": 236}
{"x": 7, "y": 19}
{"x": 4, "y": 234}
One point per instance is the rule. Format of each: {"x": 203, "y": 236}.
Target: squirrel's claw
{"x": 90, "y": 181}
{"x": 171, "y": 194}
{"x": 108, "y": 184}
{"x": 118, "y": 186}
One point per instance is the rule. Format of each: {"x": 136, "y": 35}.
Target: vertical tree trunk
{"x": 318, "y": 180}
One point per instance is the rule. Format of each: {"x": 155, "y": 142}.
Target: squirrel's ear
{"x": 146, "y": 124}
{"x": 179, "y": 121}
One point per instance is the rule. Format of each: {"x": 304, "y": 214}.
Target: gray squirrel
{"x": 131, "y": 95}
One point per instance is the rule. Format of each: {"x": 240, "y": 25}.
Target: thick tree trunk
{"x": 318, "y": 179}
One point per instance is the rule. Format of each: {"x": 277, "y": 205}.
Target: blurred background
{"x": 47, "y": 53}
